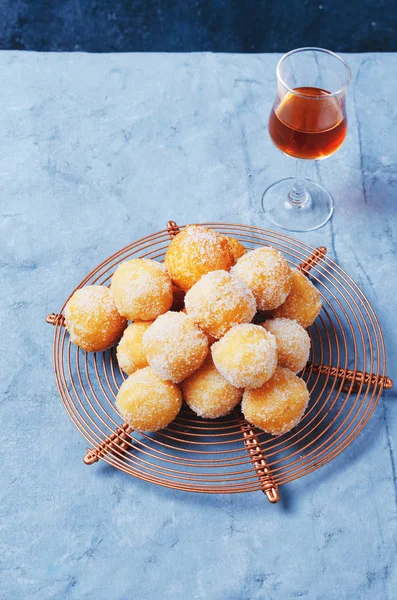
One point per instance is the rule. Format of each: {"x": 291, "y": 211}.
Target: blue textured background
{"x": 96, "y": 151}
{"x": 197, "y": 25}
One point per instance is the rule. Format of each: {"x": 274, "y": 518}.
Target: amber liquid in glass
{"x": 304, "y": 127}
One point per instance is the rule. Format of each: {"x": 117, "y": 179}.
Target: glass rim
{"x": 314, "y": 49}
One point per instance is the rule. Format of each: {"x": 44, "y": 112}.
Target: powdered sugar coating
{"x": 208, "y": 393}
{"x": 246, "y": 355}
{"x": 174, "y": 346}
{"x": 218, "y": 301}
{"x": 129, "y": 350}
{"x": 194, "y": 252}
{"x": 147, "y": 402}
{"x": 278, "y": 405}
{"x": 303, "y": 303}
{"x": 142, "y": 289}
{"x": 293, "y": 343}
{"x": 266, "y": 272}
{"x": 92, "y": 319}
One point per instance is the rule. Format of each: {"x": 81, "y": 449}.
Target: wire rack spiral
{"x": 345, "y": 376}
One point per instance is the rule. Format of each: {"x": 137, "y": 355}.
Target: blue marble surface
{"x": 95, "y": 151}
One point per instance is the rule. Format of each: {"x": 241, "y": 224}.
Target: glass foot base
{"x": 311, "y": 214}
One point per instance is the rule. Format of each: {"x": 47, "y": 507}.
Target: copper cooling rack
{"x": 346, "y": 376}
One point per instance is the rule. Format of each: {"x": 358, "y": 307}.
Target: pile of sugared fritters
{"x": 191, "y": 335}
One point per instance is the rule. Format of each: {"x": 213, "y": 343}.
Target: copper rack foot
{"x": 172, "y": 229}
{"x": 313, "y": 259}
{"x": 356, "y": 377}
{"x": 54, "y": 319}
{"x": 269, "y": 487}
{"x": 118, "y": 441}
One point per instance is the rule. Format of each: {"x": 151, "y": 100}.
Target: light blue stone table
{"x": 96, "y": 151}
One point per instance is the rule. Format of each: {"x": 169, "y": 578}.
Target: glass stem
{"x": 298, "y": 195}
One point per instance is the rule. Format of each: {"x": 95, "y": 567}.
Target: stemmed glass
{"x": 308, "y": 121}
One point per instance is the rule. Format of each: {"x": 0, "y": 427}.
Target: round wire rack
{"x": 345, "y": 376}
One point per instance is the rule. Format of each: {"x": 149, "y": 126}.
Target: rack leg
{"x": 251, "y": 442}
{"x": 313, "y": 259}
{"x": 173, "y": 229}
{"x": 119, "y": 440}
{"x": 54, "y": 319}
{"x": 357, "y": 377}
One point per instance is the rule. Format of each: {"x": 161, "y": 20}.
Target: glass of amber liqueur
{"x": 308, "y": 121}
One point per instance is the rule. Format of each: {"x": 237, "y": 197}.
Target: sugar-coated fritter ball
{"x": 92, "y": 319}
{"x": 129, "y": 350}
{"x": 147, "y": 402}
{"x": 208, "y": 393}
{"x": 246, "y": 355}
{"x": 211, "y": 338}
{"x": 142, "y": 289}
{"x": 194, "y": 252}
{"x": 236, "y": 248}
{"x": 174, "y": 346}
{"x": 218, "y": 301}
{"x": 278, "y": 405}
{"x": 303, "y": 303}
{"x": 293, "y": 343}
{"x": 266, "y": 272}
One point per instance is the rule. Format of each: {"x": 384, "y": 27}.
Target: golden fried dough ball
{"x": 92, "y": 319}
{"x": 147, "y": 402}
{"x": 266, "y": 272}
{"x": 174, "y": 346}
{"x": 194, "y": 252}
{"x": 246, "y": 355}
{"x": 236, "y": 248}
{"x": 278, "y": 405}
{"x": 293, "y": 343}
{"x": 129, "y": 350}
{"x": 208, "y": 393}
{"x": 142, "y": 289}
{"x": 303, "y": 303}
{"x": 218, "y": 301}
{"x": 211, "y": 338}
